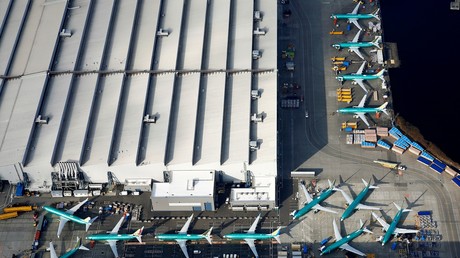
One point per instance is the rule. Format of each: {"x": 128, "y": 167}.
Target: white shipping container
{"x": 123, "y": 193}
{"x": 67, "y": 193}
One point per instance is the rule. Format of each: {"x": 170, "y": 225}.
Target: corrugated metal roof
{"x": 96, "y": 84}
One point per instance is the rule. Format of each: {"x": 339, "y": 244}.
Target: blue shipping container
{"x": 305, "y": 249}
{"x": 456, "y": 181}
{"x": 423, "y": 160}
{"x": 424, "y": 213}
{"x": 439, "y": 164}
{"x": 394, "y": 245}
{"x": 19, "y": 189}
{"x": 436, "y": 168}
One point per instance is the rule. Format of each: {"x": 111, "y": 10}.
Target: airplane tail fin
{"x": 276, "y": 234}
{"x": 383, "y": 108}
{"x": 89, "y": 221}
{"x": 380, "y": 74}
{"x": 363, "y": 227}
{"x": 207, "y": 235}
{"x": 332, "y": 185}
{"x": 376, "y": 14}
{"x": 399, "y": 208}
{"x": 79, "y": 245}
{"x": 367, "y": 184}
{"x": 376, "y": 42}
{"x": 138, "y": 234}
{"x": 293, "y": 213}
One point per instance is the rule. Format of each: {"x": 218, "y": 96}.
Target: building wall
{"x": 164, "y": 203}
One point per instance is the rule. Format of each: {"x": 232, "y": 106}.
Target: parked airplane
{"x": 355, "y": 204}
{"x": 113, "y": 237}
{"x": 314, "y": 203}
{"x": 359, "y": 77}
{"x": 361, "y": 111}
{"x": 182, "y": 237}
{"x": 354, "y": 16}
{"x": 354, "y": 45}
{"x": 342, "y": 243}
{"x": 251, "y": 236}
{"x": 78, "y": 246}
{"x": 68, "y": 215}
{"x": 391, "y": 229}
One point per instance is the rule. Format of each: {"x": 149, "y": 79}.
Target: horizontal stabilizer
{"x": 89, "y": 222}
{"x": 276, "y": 234}
{"x": 207, "y": 235}
{"x": 138, "y": 234}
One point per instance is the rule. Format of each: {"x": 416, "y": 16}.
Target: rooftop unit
{"x": 258, "y": 31}
{"x": 162, "y": 33}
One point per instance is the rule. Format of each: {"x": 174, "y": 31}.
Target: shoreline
{"x": 414, "y": 133}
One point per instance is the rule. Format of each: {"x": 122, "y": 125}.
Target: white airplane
{"x": 342, "y": 242}
{"x": 113, "y": 236}
{"x": 78, "y": 246}
{"x": 391, "y": 229}
{"x": 67, "y": 215}
{"x": 251, "y": 236}
{"x": 355, "y": 45}
{"x": 182, "y": 237}
{"x": 359, "y": 77}
{"x": 361, "y": 111}
{"x": 354, "y": 16}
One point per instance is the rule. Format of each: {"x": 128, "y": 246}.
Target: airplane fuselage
{"x": 110, "y": 237}
{"x": 310, "y": 205}
{"x": 69, "y": 253}
{"x": 392, "y": 227}
{"x": 179, "y": 237}
{"x": 242, "y": 236}
{"x": 65, "y": 215}
{"x": 348, "y": 77}
{"x": 347, "y": 213}
{"x": 351, "y": 16}
{"x": 342, "y": 241}
{"x": 358, "y": 110}
{"x": 353, "y": 45}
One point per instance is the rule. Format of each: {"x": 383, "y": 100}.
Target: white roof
{"x": 186, "y": 184}
{"x": 196, "y": 81}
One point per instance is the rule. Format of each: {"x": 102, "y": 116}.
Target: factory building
{"x": 109, "y": 93}
{"x": 185, "y": 191}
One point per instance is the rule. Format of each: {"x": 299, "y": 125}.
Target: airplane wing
{"x": 355, "y": 22}
{"x": 252, "y": 229}
{"x": 250, "y": 242}
{"x": 307, "y": 195}
{"x": 321, "y": 208}
{"x": 356, "y": 50}
{"x": 337, "y": 234}
{"x": 382, "y": 222}
{"x": 186, "y": 225}
{"x": 363, "y": 117}
{"x": 355, "y": 39}
{"x": 183, "y": 247}
{"x": 405, "y": 231}
{"x": 113, "y": 246}
{"x": 355, "y": 11}
{"x": 76, "y": 207}
{"x": 361, "y": 68}
{"x": 117, "y": 227}
{"x": 360, "y": 83}
{"x": 52, "y": 251}
{"x": 365, "y": 207}
{"x": 62, "y": 222}
{"x": 346, "y": 196}
{"x": 351, "y": 249}
{"x": 363, "y": 100}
